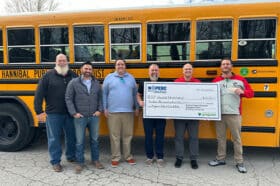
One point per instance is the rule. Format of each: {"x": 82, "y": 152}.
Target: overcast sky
{"x": 69, "y": 5}
{"x": 75, "y": 5}
{"x": 93, "y": 4}
{"x": 96, "y": 4}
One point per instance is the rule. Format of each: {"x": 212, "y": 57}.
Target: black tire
{"x": 31, "y": 135}
{"x": 15, "y": 131}
{"x": 36, "y": 135}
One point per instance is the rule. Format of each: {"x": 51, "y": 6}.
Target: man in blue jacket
{"x": 84, "y": 103}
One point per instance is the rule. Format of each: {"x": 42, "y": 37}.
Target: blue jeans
{"x": 55, "y": 124}
{"x": 80, "y": 127}
{"x": 159, "y": 126}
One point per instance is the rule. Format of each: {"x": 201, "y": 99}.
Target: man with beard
{"x": 152, "y": 124}
{"x": 52, "y": 88}
{"x": 84, "y": 103}
{"x": 119, "y": 102}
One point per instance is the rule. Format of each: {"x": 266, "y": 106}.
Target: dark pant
{"x": 192, "y": 127}
{"x": 159, "y": 126}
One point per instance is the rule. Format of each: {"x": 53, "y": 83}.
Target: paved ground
{"x": 30, "y": 167}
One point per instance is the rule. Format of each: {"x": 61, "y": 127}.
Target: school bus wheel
{"x": 15, "y": 133}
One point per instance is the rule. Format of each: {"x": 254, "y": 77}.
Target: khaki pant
{"x": 233, "y": 122}
{"x": 121, "y": 128}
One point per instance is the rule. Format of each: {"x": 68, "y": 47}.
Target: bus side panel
{"x": 259, "y": 139}
{"x": 259, "y": 121}
{"x": 255, "y": 109}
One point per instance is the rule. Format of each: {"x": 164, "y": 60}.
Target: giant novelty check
{"x": 172, "y": 100}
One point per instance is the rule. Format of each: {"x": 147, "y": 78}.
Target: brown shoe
{"x": 57, "y": 168}
{"x": 98, "y": 165}
{"x": 71, "y": 160}
{"x": 78, "y": 169}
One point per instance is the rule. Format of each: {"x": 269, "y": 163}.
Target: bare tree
{"x": 17, "y": 6}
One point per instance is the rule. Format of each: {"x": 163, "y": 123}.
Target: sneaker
{"x": 78, "y": 169}
{"x": 241, "y": 168}
{"x": 149, "y": 162}
{"x": 98, "y": 165}
{"x": 194, "y": 164}
{"x": 216, "y": 162}
{"x": 131, "y": 161}
{"x": 57, "y": 168}
{"x": 114, "y": 164}
{"x": 178, "y": 163}
{"x": 160, "y": 163}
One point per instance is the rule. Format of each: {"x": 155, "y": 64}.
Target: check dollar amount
{"x": 172, "y": 100}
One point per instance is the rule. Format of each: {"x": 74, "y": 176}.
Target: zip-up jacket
{"x": 79, "y": 100}
{"x": 52, "y": 88}
{"x": 231, "y": 103}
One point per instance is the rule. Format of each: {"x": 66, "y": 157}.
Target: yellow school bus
{"x": 168, "y": 36}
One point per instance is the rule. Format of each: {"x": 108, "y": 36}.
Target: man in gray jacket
{"x": 84, "y": 103}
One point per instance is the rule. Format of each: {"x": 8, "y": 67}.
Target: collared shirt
{"x": 119, "y": 93}
{"x": 87, "y": 83}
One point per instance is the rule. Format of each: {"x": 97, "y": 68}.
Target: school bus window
{"x": 1, "y": 47}
{"x": 213, "y": 39}
{"x": 125, "y": 41}
{"x": 256, "y": 39}
{"x": 53, "y": 40}
{"x": 21, "y": 45}
{"x": 168, "y": 41}
{"x": 89, "y": 43}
